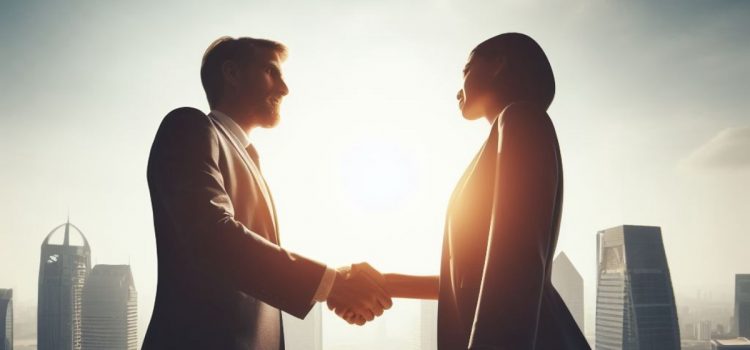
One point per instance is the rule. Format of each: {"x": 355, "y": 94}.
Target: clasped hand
{"x": 358, "y": 294}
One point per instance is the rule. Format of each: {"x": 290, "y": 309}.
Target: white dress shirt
{"x": 241, "y": 137}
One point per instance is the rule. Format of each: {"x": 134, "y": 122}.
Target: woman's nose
{"x": 460, "y": 94}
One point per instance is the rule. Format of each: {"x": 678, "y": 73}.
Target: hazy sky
{"x": 651, "y": 113}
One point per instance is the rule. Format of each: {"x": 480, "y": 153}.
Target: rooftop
{"x": 735, "y": 341}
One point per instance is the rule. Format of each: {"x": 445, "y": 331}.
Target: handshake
{"x": 359, "y": 294}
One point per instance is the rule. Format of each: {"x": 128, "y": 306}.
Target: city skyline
{"x": 302, "y": 331}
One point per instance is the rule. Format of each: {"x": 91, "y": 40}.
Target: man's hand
{"x": 358, "y": 294}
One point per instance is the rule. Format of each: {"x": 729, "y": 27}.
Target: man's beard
{"x": 269, "y": 116}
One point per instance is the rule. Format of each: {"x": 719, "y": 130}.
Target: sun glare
{"x": 377, "y": 175}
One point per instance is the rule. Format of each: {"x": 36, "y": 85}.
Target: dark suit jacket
{"x": 222, "y": 275}
{"x": 500, "y": 236}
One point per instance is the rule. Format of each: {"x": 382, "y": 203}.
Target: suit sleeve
{"x": 184, "y": 174}
{"x": 519, "y": 235}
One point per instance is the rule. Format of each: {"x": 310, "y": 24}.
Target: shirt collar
{"x": 232, "y": 126}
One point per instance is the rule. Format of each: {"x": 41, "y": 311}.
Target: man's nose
{"x": 460, "y": 94}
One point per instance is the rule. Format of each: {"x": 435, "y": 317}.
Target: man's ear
{"x": 230, "y": 72}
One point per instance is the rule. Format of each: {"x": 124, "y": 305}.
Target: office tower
{"x": 702, "y": 330}
{"x": 742, "y": 305}
{"x": 569, "y": 285}
{"x": 635, "y": 307}
{"x": 63, "y": 269}
{"x": 6, "y": 319}
{"x": 304, "y": 334}
{"x": 688, "y": 331}
{"x": 109, "y": 309}
{"x": 428, "y": 325}
{"x": 730, "y": 344}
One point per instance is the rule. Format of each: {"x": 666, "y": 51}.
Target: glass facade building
{"x": 109, "y": 309}
{"x": 569, "y": 284}
{"x": 6, "y": 319}
{"x": 635, "y": 307}
{"x": 63, "y": 268}
{"x": 742, "y": 305}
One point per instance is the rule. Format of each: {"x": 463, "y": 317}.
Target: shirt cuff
{"x": 326, "y": 283}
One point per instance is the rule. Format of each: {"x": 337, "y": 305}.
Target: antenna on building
{"x": 66, "y": 241}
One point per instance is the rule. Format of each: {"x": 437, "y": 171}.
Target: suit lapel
{"x": 259, "y": 181}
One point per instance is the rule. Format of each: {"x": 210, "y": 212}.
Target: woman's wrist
{"x": 389, "y": 283}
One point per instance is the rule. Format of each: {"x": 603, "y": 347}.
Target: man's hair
{"x": 527, "y": 75}
{"x": 240, "y": 50}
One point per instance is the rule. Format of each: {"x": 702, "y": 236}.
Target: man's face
{"x": 261, "y": 86}
{"x": 477, "y": 91}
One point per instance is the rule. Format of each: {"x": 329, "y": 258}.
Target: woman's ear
{"x": 499, "y": 64}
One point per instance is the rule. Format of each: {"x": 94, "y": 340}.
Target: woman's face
{"x": 477, "y": 95}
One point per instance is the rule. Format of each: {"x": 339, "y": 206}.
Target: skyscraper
{"x": 569, "y": 285}
{"x": 635, "y": 307}
{"x": 304, "y": 334}
{"x": 109, "y": 313}
{"x": 703, "y": 330}
{"x": 6, "y": 319}
{"x": 742, "y": 305}
{"x": 63, "y": 269}
{"x": 428, "y": 325}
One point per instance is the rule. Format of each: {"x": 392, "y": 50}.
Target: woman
{"x": 494, "y": 288}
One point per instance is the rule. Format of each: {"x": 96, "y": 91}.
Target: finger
{"x": 349, "y": 315}
{"x": 382, "y": 297}
{"x": 373, "y": 293}
{"x": 378, "y": 311}
{"x": 357, "y": 315}
{"x": 386, "y": 302}
{"x": 370, "y": 316}
{"x": 360, "y": 320}
{"x": 365, "y": 312}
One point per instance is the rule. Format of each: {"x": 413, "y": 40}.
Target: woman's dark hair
{"x": 528, "y": 74}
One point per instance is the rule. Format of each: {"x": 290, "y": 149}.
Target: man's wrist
{"x": 325, "y": 286}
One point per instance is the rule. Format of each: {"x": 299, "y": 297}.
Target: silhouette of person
{"x": 223, "y": 276}
{"x": 494, "y": 289}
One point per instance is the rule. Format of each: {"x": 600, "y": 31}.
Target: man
{"x": 223, "y": 277}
